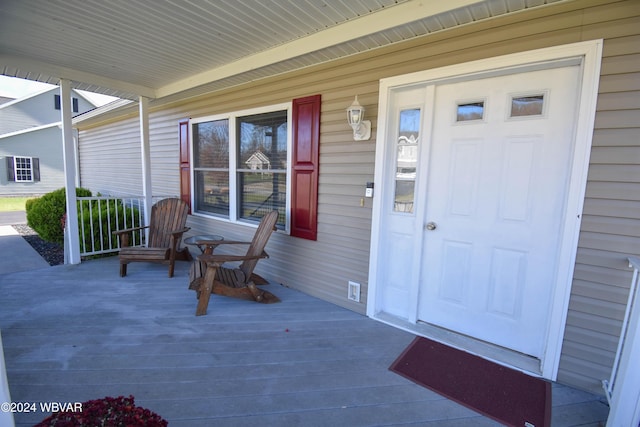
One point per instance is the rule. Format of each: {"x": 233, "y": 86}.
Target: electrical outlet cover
{"x": 354, "y": 291}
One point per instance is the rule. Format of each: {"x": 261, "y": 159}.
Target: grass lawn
{"x": 12, "y": 203}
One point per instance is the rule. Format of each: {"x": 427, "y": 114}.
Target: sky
{"x": 13, "y": 87}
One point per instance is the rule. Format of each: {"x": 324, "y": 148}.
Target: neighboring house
{"x": 31, "y": 161}
{"x": 258, "y": 162}
{"x": 510, "y": 226}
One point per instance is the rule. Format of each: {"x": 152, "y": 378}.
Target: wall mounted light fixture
{"x": 361, "y": 128}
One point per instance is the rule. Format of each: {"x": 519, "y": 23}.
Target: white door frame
{"x": 588, "y": 55}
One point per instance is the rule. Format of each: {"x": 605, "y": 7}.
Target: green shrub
{"x": 45, "y": 214}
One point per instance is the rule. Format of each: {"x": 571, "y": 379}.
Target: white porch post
{"x": 71, "y": 234}
{"x": 6, "y": 417}
{"x": 146, "y": 157}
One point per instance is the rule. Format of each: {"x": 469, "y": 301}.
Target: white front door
{"x": 481, "y": 171}
{"x": 497, "y": 179}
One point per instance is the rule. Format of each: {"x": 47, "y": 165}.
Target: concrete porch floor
{"x": 73, "y": 333}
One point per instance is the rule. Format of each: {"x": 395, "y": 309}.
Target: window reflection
{"x": 409, "y": 125}
{"x": 405, "y": 191}
{"x": 406, "y": 159}
{"x": 211, "y": 157}
{"x": 470, "y": 111}
{"x": 211, "y": 144}
{"x": 241, "y": 173}
{"x": 212, "y": 193}
{"x": 262, "y": 164}
{"x": 263, "y": 141}
{"x": 527, "y": 106}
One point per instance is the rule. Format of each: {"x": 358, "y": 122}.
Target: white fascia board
{"x": 58, "y": 72}
{"x": 28, "y": 130}
{"x": 80, "y": 94}
{"x": 99, "y": 112}
{"x": 31, "y": 95}
{"x": 395, "y": 16}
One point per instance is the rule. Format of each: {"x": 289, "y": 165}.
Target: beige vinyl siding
{"x": 611, "y": 222}
{"x": 111, "y": 158}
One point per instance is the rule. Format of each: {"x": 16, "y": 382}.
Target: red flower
{"x": 109, "y": 412}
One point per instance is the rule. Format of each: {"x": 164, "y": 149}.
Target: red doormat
{"x": 500, "y": 393}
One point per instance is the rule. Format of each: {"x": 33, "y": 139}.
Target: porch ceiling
{"x": 160, "y": 48}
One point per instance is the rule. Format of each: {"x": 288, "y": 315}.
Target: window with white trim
{"x": 241, "y": 164}
{"x": 23, "y": 169}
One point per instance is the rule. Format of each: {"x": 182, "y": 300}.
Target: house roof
{"x": 158, "y": 49}
{"x": 5, "y": 99}
{"x": 13, "y": 101}
{"x": 258, "y": 156}
{"x": 34, "y": 112}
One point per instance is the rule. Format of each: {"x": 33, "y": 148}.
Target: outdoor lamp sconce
{"x": 361, "y": 128}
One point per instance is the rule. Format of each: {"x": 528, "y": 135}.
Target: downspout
{"x": 71, "y": 232}
{"x": 76, "y": 151}
{"x": 143, "y": 104}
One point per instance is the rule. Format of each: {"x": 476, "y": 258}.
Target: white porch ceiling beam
{"x": 21, "y": 67}
{"x": 383, "y": 20}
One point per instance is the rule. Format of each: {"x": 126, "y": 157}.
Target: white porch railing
{"x": 99, "y": 217}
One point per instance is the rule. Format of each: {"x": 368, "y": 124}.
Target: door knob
{"x": 430, "y": 226}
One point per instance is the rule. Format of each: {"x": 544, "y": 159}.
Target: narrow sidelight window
{"x": 407, "y": 160}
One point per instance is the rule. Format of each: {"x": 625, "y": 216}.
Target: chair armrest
{"x": 129, "y": 230}
{"x": 221, "y": 242}
{"x": 178, "y": 233}
{"x": 123, "y": 235}
{"x": 221, "y": 259}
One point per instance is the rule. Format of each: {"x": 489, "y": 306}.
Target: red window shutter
{"x": 185, "y": 170}
{"x": 305, "y": 167}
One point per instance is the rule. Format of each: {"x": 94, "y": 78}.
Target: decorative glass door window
{"x": 470, "y": 111}
{"x": 531, "y": 105}
{"x": 406, "y": 160}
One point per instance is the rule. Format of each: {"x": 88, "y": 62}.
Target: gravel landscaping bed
{"x": 51, "y": 252}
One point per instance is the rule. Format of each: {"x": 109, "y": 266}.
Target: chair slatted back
{"x": 260, "y": 239}
{"x": 166, "y": 216}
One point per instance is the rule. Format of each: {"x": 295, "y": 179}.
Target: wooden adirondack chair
{"x": 211, "y": 277}
{"x": 167, "y": 224}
